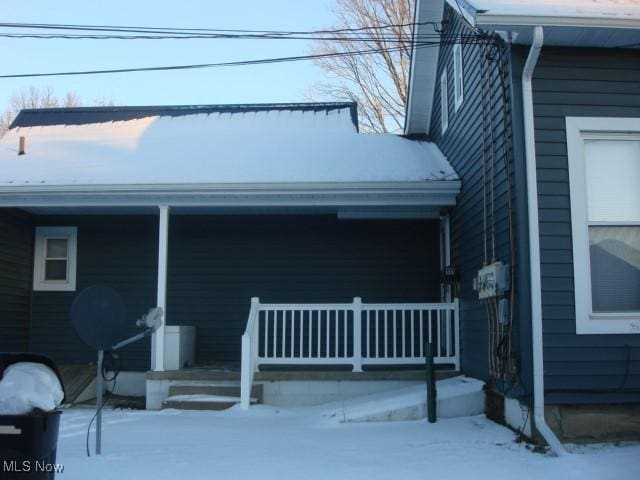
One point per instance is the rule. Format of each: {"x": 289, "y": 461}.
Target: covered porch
{"x": 308, "y": 217}
{"x": 331, "y": 292}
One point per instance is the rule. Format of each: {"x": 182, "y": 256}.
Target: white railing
{"x": 353, "y": 334}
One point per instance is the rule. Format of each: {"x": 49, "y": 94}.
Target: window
{"x": 604, "y": 170}
{"x": 458, "y": 86}
{"x": 54, "y": 265}
{"x": 444, "y": 101}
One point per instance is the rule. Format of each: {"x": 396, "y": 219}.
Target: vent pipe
{"x": 21, "y": 146}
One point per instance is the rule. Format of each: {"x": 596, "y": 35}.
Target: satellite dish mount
{"x": 98, "y": 315}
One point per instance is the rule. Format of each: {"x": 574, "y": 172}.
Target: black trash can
{"x": 28, "y": 443}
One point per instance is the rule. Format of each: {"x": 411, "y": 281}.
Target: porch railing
{"x": 353, "y": 334}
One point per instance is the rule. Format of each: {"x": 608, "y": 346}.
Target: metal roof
{"x": 34, "y": 117}
{"x": 222, "y": 155}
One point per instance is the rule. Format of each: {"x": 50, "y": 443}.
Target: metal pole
{"x": 431, "y": 382}
{"x": 99, "y": 389}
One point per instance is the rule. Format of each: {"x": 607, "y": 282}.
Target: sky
{"x": 283, "y": 82}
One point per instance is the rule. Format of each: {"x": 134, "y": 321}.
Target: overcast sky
{"x": 267, "y": 83}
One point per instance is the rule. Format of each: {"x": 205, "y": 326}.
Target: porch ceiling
{"x": 345, "y": 213}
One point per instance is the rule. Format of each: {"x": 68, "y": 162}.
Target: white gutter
{"x": 534, "y": 246}
{"x": 620, "y": 21}
{"x": 426, "y": 193}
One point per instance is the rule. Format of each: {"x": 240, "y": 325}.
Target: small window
{"x": 604, "y": 167}
{"x": 54, "y": 265}
{"x": 458, "y": 85}
{"x": 444, "y": 101}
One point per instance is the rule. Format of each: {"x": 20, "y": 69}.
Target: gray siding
{"x": 118, "y": 251}
{"x": 462, "y": 145}
{"x": 16, "y": 257}
{"x": 573, "y": 82}
{"x": 217, "y": 263}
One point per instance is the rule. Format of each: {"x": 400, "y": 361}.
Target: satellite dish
{"x": 98, "y": 316}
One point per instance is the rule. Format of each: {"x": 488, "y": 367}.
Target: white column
{"x": 357, "y": 334}
{"x": 157, "y": 350}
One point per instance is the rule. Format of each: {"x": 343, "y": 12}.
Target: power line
{"x": 215, "y": 65}
{"x": 153, "y": 33}
{"x": 353, "y": 53}
{"x": 189, "y": 31}
{"x": 262, "y": 61}
{"x": 406, "y": 39}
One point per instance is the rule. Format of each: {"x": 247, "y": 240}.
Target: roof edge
{"x": 175, "y": 110}
{"x": 555, "y": 21}
{"x": 434, "y": 192}
{"x": 426, "y": 12}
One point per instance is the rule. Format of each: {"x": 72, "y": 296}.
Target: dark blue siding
{"x": 119, "y": 251}
{"x": 217, "y": 263}
{"x": 577, "y": 82}
{"x": 16, "y": 257}
{"x": 462, "y": 145}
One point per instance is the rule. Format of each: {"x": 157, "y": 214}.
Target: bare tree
{"x": 377, "y": 81}
{"x": 33, "y": 97}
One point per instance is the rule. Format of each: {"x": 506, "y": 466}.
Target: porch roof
{"x": 173, "y": 154}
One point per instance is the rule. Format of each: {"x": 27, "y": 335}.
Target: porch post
{"x": 157, "y": 350}
{"x": 357, "y": 334}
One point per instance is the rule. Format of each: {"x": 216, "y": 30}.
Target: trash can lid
{"x": 9, "y": 358}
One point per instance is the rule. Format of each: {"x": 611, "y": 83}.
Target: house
{"x": 536, "y": 105}
{"x": 335, "y": 235}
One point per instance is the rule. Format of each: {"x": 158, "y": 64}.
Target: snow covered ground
{"x": 312, "y": 443}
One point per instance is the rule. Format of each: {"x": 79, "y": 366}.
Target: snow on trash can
{"x": 31, "y": 391}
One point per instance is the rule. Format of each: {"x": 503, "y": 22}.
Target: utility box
{"x": 492, "y": 280}
{"x": 179, "y": 346}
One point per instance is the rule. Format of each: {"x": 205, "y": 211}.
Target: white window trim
{"x": 444, "y": 101}
{"x": 458, "y": 77}
{"x": 580, "y": 129}
{"x": 42, "y": 234}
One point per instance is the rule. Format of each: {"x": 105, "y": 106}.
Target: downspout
{"x": 534, "y": 246}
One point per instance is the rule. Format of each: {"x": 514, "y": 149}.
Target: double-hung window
{"x": 55, "y": 258}
{"x": 604, "y": 176}
{"x": 444, "y": 101}
{"x": 458, "y": 84}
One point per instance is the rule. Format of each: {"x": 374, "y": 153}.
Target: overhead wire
{"x": 138, "y": 29}
{"x": 360, "y": 34}
{"x": 232, "y": 63}
{"x": 57, "y": 36}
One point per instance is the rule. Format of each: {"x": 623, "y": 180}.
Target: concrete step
{"x": 202, "y": 402}
{"x": 227, "y": 390}
{"x": 214, "y": 376}
{"x": 456, "y": 397}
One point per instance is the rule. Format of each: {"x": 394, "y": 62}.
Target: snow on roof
{"x": 560, "y": 8}
{"x": 252, "y": 146}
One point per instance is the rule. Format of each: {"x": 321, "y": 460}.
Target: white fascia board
{"x": 427, "y": 193}
{"x": 464, "y": 9}
{"x": 423, "y": 70}
{"x": 554, "y": 21}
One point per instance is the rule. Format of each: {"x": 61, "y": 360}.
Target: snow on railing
{"x": 353, "y": 334}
